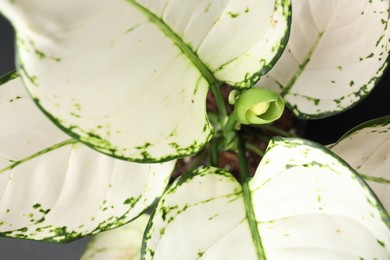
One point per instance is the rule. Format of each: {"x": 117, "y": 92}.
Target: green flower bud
{"x": 258, "y": 106}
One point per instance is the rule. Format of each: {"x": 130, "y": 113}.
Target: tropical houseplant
{"x": 125, "y": 84}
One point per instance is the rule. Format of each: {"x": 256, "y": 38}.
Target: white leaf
{"x": 55, "y": 189}
{"x": 303, "y": 203}
{"x": 337, "y": 52}
{"x": 121, "y": 243}
{"x": 367, "y": 149}
{"x": 130, "y": 78}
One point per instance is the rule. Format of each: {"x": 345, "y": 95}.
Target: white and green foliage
{"x": 106, "y": 71}
{"x": 56, "y": 189}
{"x": 337, "y": 52}
{"x": 129, "y": 78}
{"x": 303, "y": 203}
{"x": 367, "y": 149}
{"x": 121, "y": 243}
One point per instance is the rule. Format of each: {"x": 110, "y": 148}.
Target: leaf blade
{"x": 294, "y": 222}
{"x": 120, "y": 243}
{"x": 334, "y": 58}
{"x": 57, "y": 190}
{"x": 366, "y": 149}
{"x": 170, "y": 72}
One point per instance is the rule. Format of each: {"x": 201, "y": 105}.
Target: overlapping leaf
{"x": 121, "y": 243}
{"x": 367, "y": 149}
{"x": 129, "y": 78}
{"x": 337, "y": 52}
{"x": 53, "y": 188}
{"x": 303, "y": 203}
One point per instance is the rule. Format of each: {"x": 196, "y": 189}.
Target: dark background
{"x": 324, "y": 131}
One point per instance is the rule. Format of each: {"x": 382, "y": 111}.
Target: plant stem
{"x": 229, "y": 132}
{"x": 242, "y": 160}
{"x": 250, "y": 214}
{"x": 255, "y": 149}
{"x": 230, "y": 123}
{"x": 276, "y": 130}
{"x": 216, "y": 88}
{"x": 214, "y": 118}
{"x": 214, "y": 153}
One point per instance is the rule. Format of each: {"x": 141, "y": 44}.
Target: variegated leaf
{"x": 303, "y": 203}
{"x": 55, "y": 189}
{"x": 337, "y": 52}
{"x": 130, "y": 78}
{"x": 367, "y": 149}
{"x": 123, "y": 243}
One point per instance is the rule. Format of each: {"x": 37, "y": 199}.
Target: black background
{"x": 324, "y": 131}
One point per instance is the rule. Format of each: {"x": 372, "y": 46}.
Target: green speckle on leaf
{"x": 132, "y": 201}
{"x": 162, "y": 231}
{"x": 381, "y": 243}
{"x": 233, "y": 15}
{"x": 37, "y": 205}
{"x": 41, "y": 55}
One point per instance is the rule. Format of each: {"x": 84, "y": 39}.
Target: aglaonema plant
{"x": 108, "y": 94}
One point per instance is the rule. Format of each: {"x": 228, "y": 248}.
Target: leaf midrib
{"x": 252, "y": 222}
{"x": 37, "y": 154}
{"x": 375, "y": 179}
{"x": 302, "y": 66}
{"x": 187, "y": 51}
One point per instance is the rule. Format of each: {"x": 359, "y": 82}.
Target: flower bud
{"x": 258, "y": 106}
